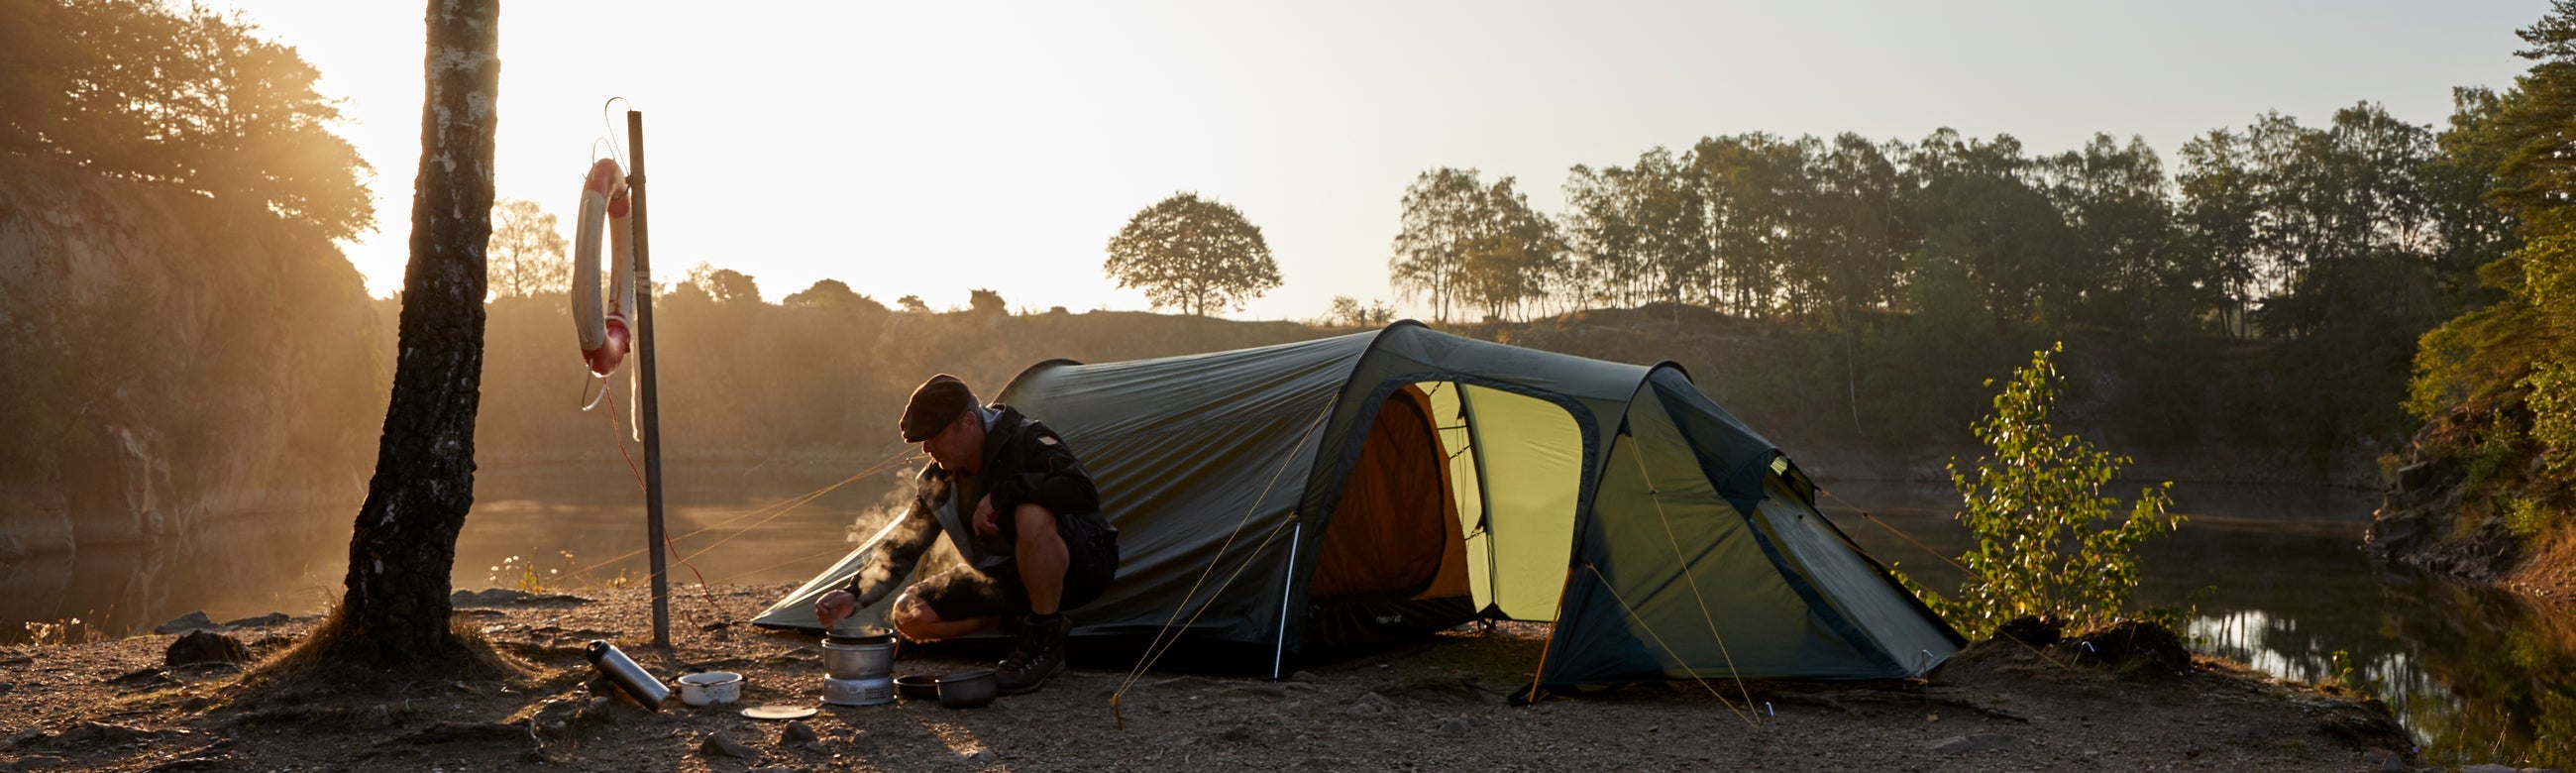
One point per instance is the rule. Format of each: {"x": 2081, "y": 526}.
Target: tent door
{"x": 1395, "y": 534}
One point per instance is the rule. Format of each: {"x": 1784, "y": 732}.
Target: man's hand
{"x": 833, "y": 606}
{"x": 987, "y": 522}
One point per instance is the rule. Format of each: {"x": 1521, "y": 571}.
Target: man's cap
{"x": 934, "y": 405}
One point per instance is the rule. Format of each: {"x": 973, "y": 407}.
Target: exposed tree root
{"x": 331, "y": 657}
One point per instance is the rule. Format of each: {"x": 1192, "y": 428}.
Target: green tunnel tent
{"x": 1360, "y": 489}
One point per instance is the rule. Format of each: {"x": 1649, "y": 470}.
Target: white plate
{"x": 778, "y": 712}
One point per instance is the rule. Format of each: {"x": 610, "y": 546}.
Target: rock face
{"x": 171, "y": 361}
{"x": 2420, "y": 522}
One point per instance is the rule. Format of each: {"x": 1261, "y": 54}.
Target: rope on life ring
{"x": 605, "y": 333}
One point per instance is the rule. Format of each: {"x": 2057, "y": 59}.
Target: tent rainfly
{"x": 1355, "y": 490}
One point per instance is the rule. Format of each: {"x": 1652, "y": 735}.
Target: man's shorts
{"x": 963, "y": 592}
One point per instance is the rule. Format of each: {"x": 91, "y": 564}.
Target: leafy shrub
{"x": 2036, "y": 508}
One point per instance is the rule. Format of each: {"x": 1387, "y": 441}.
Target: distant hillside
{"x": 752, "y": 380}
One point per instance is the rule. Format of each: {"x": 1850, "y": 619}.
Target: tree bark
{"x": 396, "y": 607}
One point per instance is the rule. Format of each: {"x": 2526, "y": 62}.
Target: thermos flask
{"x": 631, "y": 679}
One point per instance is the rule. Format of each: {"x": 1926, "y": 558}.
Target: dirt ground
{"x": 2000, "y": 706}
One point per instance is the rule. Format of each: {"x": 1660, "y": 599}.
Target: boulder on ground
{"x": 205, "y": 647}
{"x": 2135, "y": 644}
{"x": 2033, "y": 630}
{"x": 717, "y": 745}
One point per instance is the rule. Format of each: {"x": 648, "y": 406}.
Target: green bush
{"x": 2035, "y": 505}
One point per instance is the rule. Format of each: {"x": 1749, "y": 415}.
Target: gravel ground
{"x": 116, "y": 706}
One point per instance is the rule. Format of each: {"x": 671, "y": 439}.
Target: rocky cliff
{"x": 169, "y": 361}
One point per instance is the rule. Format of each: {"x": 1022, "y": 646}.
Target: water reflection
{"x": 2478, "y": 675}
{"x": 577, "y": 525}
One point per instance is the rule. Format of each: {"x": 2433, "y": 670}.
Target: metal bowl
{"x": 920, "y": 687}
{"x": 703, "y": 688}
{"x": 968, "y": 689}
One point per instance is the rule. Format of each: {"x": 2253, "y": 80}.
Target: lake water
{"x": 2477, "y": 675}
{"x": 571, "y": 525}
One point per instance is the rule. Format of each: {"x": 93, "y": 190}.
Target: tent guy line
{"x": 1688, "y": 573}
{"x": 1154, "y": 651}
{"x": 1742, "y": 714}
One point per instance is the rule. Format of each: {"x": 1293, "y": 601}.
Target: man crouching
{"x": 1033, "y": 539}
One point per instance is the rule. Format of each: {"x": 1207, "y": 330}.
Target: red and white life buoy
{"x": 604, "y": 333}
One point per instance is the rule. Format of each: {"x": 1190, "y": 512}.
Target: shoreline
{"x": 114, "y": 705}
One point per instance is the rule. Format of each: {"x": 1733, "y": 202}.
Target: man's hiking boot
{"x": 1038, "y": 655}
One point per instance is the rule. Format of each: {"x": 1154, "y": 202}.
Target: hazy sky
{"x": 928, "y": 148}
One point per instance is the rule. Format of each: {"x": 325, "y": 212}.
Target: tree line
{"x": 2495, "y": 387}
{"x": 190, "y": 98}
{"x": 2276, "y": 229}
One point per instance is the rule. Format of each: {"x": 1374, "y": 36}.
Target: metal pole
{"x": 1287, "y": 585}
{"x": 646, "y": 397}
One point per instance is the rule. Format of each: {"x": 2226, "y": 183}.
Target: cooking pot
{"x": 858, "y": 657}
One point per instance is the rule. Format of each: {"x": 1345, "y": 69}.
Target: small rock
{"x": 1371, "y": 705}
{"x": 205, "y": 647}
{"x": 717, "y": 745}
{"x": 2489, "y": 767}
{"x": 798, "y": 732}
{"x": 1238, "y": 734}
{"x": 379, "y": 717}
{"x": 1455, "y": 727}
{"x": 143, "y": 677}
{"x": 813, "y": 746}
{"x": 596, "y": 713}
{"x": 1303, "y": 676}
{"x": 1980, "y": 742}
{"x": 33, "y": 733}
{"x": 87, "y": 733}
{"x": 978, "y": 757}
{"x": 262, "y": 621}
{"x": 2394, "y": 765}
{"x": 206, "y": 762}
{"x": 188, "y": 622}
{"x": 556, "y": 716}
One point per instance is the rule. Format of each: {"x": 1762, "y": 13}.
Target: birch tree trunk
{"x": 396, "y": 608}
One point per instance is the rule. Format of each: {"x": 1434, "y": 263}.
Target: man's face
{"x": 960, "y": 447}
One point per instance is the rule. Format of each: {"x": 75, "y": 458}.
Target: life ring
{"x": 604, "y": 333}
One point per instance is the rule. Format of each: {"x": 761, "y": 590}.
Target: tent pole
{"x": 1287, "y": 584}
{"x": 647, "y": 399}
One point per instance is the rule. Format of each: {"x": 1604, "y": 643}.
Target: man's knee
{"x": 913, "y": 617}
{"x": 1035, "y": 522}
